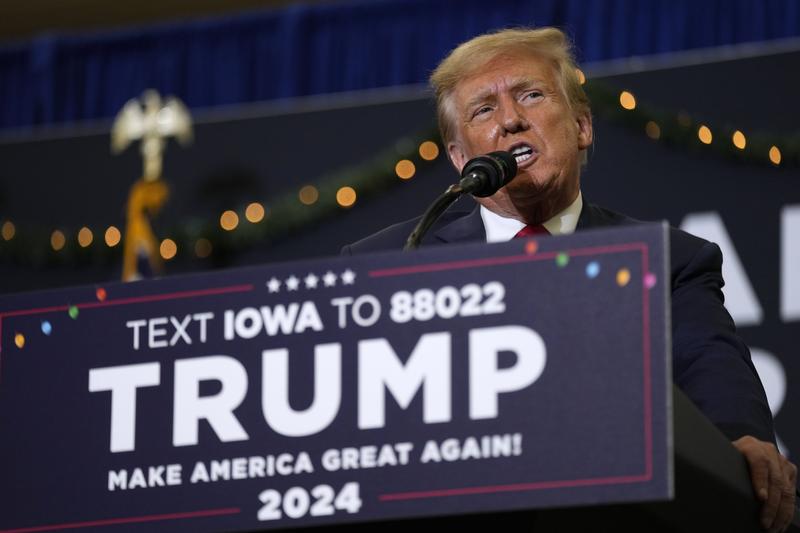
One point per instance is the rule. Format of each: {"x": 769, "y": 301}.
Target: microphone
{"x": 481, "y": 176}
{"x": 484, "y": 175}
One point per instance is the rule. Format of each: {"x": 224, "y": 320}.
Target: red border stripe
{"x": 516, "y": 487}
{"x": 507, "y": 260}
{"x": 127, "y": 520}
{"x": 398, "y": 271}
{"x": 134, "y": 300}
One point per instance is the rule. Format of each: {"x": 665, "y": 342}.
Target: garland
{"x": 683, "y": 131}
{"x": 286, "y": 214}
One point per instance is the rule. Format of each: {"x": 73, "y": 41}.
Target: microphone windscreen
{"x": 495, "y": 170}
{"x": 509, "y": 162}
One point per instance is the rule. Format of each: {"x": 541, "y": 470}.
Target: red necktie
{"x": 530, "y": 231}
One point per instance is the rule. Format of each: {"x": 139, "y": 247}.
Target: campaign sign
{"x": 450, "y": 380}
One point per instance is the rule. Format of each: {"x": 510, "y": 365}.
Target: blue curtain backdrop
{"x": 306, "y": 50}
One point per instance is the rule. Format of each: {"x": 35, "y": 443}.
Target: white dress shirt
{"x": 499, "y": 228}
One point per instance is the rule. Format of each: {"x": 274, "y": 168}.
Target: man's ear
{"x": 457, "y": 155}
{"x": 585, "y": 132}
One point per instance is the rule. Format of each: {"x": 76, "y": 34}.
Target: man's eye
{"x": 532, "y": 95}
{"x": 481, "y": 110}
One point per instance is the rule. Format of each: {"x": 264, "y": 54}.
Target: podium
{"x": 712, "y": 486}
{"x": 524, "y": 384}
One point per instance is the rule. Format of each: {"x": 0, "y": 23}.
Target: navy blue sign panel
{"x": 450, "y": 380}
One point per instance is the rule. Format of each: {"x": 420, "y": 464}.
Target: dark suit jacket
{"x": 710, "y": 362}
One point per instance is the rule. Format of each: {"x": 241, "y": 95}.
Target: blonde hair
{"x": 471, "y": 56}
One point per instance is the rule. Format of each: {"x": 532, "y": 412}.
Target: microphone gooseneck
{"x": 482, "y": 176}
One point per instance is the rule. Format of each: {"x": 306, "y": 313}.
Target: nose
{"x": 512, "y": 118}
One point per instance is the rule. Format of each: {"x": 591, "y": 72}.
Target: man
{"x": 518, "y": 91}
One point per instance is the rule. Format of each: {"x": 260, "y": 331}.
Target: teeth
{"x": 521, "y": 150}
{"x": 522, "y": 153}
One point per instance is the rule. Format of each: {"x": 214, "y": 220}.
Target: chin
{"x": 525, "y": 185}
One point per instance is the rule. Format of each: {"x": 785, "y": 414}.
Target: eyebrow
{"x": 516, "y": 84}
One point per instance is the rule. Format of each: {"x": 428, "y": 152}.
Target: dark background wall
{"x": 256, "y": 153}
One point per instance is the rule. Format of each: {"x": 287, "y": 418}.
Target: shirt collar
{"x": 499, "y": 228}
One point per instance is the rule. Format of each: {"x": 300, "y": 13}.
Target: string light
{"x": 85, "y": 237}
{"x": 657, "y": 126}
{"x": 775, "y": 155}
{"x": 19, "y": 340}
{"x": 8, "y": 230}
{"x": 704, "y": 134}
{"x": 57, "y": 240}
{"x": 168, "y": 249}
{"x": 112, "y": 236}
{"x": 652, "y": 130}
{"x": 428, "y": 150}
{"x": 581, "y": 76}
{"x": 405, "y": 169}
{"x": 346, "y": 196}
{"x": 739, "y": 140}
{"x": 308, "y": 195}
{"x": 229, "y": 220}
{"x": 254, "y": 213}
{"x": 627, "y": 101}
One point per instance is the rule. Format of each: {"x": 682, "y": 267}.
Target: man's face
{"x": 516, "y": 104}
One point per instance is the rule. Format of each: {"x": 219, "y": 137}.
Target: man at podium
{"x": 518, "y": 91}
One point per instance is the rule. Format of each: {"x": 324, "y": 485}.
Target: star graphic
{"x": 292, "y": 283}
{"x": 348, "y": 277}
{"x": 311, "y": 281}
{"x": 274, "y": 284}
{"x": 329, "y": 279}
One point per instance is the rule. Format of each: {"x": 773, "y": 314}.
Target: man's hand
{"x": 774, "y": 479}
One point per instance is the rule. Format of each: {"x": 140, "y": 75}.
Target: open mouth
{"x": 522, "y": 153}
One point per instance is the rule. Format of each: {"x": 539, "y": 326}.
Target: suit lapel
{"x": 591, "y": 217}
{"x": 466, "y": 228}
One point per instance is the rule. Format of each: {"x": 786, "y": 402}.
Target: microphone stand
{"x": 432, "y": 214}
{"x": 481, "y": 176}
